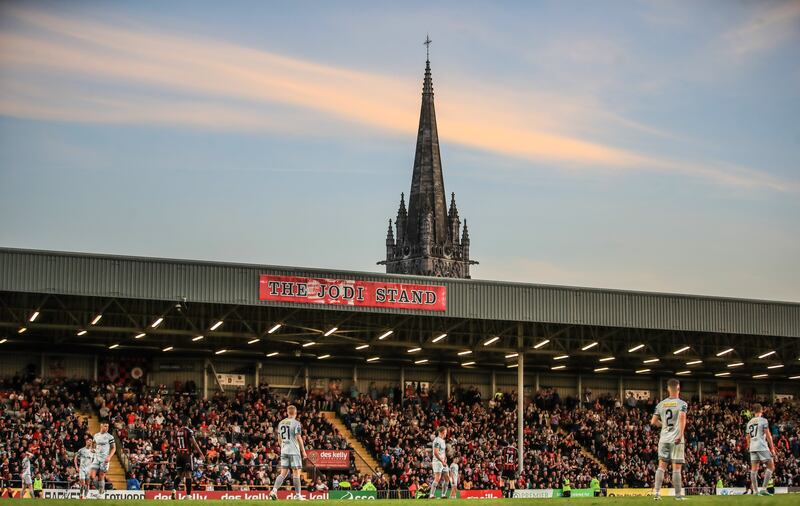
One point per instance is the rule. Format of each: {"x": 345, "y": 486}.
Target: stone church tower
{"x": 428, "y": 239}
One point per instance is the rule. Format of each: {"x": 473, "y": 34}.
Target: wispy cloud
{"x": 767, "y": 28}
{"x": 48, "y": 60}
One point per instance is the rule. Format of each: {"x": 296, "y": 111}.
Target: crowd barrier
{"x": 350, "y": 495}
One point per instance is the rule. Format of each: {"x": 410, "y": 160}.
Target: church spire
{"x": 427, "y": 182}
{"x": 429, "y": 240}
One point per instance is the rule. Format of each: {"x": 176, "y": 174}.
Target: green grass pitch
{"x": 776, "y": 500}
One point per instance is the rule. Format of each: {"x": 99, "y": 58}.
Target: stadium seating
{"x": 41, "y": 418}
{"x": 235, "y": 432}
{"x": 623, "y": 439}
{"x": 564, "y": 438}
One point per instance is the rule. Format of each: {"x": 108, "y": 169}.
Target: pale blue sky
{"x": 638, "y": 144}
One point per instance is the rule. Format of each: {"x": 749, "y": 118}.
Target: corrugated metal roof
{"x": 229, "y": 283}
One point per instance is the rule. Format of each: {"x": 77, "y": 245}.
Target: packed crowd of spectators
{"x": 41, "y": 418}
{"x": 235, "y": 431}
{"x": 400, "y": 438}
{"x": 621, "y": 436}
{"x": 564, "y": 438}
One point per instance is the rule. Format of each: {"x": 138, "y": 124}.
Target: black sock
{"x": 177, "y": 483}
{"x": 188, "y": 486}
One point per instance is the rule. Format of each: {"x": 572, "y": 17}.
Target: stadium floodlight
{"x": 158, "y": 322}
{"x": 681, "y": 350}
{"x": 636, "y": 348}
{"x": 683, "y": 373}
{"x": 362, "y": 346}
{"x": 253, "y": 341}
{"x": 22, "y": 330}
{"x": 723, "y": 374}
{"x": 512, "y": 355}
{"x": 642, "y": 371}
{"x": 421, "y": 361}
{"x": 330, "y": 331}
{"x": 694, "y": 362}
{"x": 465, "y": 352}
{"x": 465, "y": 364}
{"x": 3, "y": 341}
{"x": 512, "y": 366}
{"x": 113, "y": 346}
{"x": 767, "y": 354}
{"x": 724, "y": 352}
{"x": 81, "y": 332}
{"x": 310, "y": 343}
{"x": 197, "y": 338}
{"x": 776, "y": 366}
{"x": 139, "y": 335}
{"x": 220, "y": 352}
{"x": 323, "y": 357}
{"x": 491, "y": 341}
{"x": 601, "y": 369}
{"x": 216, "y": 325}
{"x": 790, "y": 377}
{"x": 34, "y": 316}
{"x": 274, "y": 328}
{"x": 759, "y": 376}
{"x": 558, "y": 367}
{"x": 540, "y": 344}
{"x": 414, "y": 350}
{"x": 97, "y": 319}
{"x": 606, "y": 359}
{"x": 385, "y": 335}
{"x": 590, "y": 346}
{"x": 168, "y": 348}
{"x": 561, "y": 357}
{"x": 651, "y": 360}
{"x": 272, "y": 354}
{"x": 736, "y": 364}
{"x": 439, "y": 338}
{"x": 373, "y": 359}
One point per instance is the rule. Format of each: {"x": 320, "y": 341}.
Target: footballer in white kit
{"x": 762, "y": 448}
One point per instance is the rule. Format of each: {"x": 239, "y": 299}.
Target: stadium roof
{"x": 70, "y": 290}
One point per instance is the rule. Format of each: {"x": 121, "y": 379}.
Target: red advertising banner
{"x": 352, "y": 293}
{"x": 330, "y": 459}
{"x": 257, "y": 495}
{"x": 480, "y": 494}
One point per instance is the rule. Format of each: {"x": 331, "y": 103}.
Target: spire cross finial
{"x": 427, "y": 47}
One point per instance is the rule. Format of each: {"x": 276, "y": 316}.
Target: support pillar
{"x": 738, "y": 393}
{"x": 205, "y": 379}
{"x": 580, "y": 389}
{"x": 41, "y": 367}
{"x": 700, "y": 390}
{"x": 402, "y": 386}
{"x": 772, "y": 392}
{"x": 306, "y": 379}
{"x": 520, "y": 412}
{"x": 660, "y": 393}
{"x": 520, "y": 400}
{"x": 494, "y": 384}
{"x": 258, "y": 374}
{"x": 94, "y": 372}
{"x": 447, "y": 382}
{"x": 536, "y": 384}
{"x": 621, "y": 386}
{"x": 355, "y": 376}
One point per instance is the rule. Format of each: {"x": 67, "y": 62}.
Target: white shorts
{"x": 438, "y": 467}
{"x": 671, "y": 452}
{"x": 760, "y": 456}
{"x": 291, "y": 462}
{"x": 83, "y": 473}
{"x": 100, "y": 465}
{"x": 26, "y": 479}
